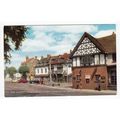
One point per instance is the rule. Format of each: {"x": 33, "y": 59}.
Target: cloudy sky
{"x": 43, "y": 40}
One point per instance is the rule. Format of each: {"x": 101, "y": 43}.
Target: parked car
{"x": 14, "y": 81}
{"x": 22, "y": 80}
{"x": 35, "y": 80}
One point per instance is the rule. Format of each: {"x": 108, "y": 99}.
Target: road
{"x": 26, "y": 89}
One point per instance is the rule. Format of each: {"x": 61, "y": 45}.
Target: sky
{"x": 55, "y": 39}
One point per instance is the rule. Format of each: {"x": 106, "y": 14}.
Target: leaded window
{"x": 87, "y": 60}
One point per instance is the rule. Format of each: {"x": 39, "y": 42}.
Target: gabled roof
{"x": 105, "y": 44}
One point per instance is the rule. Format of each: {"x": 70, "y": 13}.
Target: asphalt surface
{"x": 31, "y": 90}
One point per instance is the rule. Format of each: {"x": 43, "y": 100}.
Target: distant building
{"x": 42, "y": 68}
{"x": 31, "y": 63}
{"x": 8, "y": 78}
{"x": 94, "y": 62}
{"x": 17, "y": 76}
{"x": 59, "y": 66}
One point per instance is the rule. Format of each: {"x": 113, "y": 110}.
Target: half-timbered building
{"x": 94, "y": 62}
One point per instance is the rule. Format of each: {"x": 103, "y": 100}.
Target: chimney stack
{"x": 27, "y": 58}
{"x": 42, "y": 57}
{"x": 113, "y": 33}
{"x": 35, "y": 57}
{"x": 70, "y": 51}
{"x": 48, "y": 55}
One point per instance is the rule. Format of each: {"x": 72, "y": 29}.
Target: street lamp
{"x": 98, "y": 77}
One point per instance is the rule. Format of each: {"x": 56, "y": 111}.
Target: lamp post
{"x": 98, "y": 81}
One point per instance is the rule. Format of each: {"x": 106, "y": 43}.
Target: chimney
{"x": 35, "y": 57}
{"x": 48, "y": 55}
{"x": 42, "y": 57}
{"x": 27, "y": 58}
{"x": 113, "y": 33}
{"x": 70, "y": 51}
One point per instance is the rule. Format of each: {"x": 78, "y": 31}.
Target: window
{"x": 45, "y": 70}
{"x": 78, "y": 77}
{"x": 37, "y": 70}
{"x": 87, "y": 60}
{"x": 74, "y": 78}
{"x": 87, "y": 80}
{"x": 96, "y": 59}
{"x": 41, "y": 70}
{"x": 102, "y": 59}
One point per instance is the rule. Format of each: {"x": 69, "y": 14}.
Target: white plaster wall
{"x": 109, "y": 59}
{"x": 55, "y": 68}
{"x": 36, "y": 70}
{"x": 74, "y": 62}
{"x": 67, "y": 68}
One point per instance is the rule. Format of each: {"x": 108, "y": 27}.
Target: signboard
{"x": 87, "y": 76}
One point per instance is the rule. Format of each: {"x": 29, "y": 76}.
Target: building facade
{"x": 31, "y": 63}
{"x": 61, "y": 68}
{"x": 42, "y": 69}
{"x": 94, "y": 62}
{"x": 57, "y": 68}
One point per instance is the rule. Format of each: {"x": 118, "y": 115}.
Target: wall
{"x": 38, "y": 70}
{"x": 87, "y": 72}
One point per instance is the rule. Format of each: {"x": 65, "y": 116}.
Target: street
{"x": 26, "y": 89}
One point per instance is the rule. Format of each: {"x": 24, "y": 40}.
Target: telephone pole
{"x": 50, "y": 70}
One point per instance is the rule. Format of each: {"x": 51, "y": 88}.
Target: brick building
{"x": 31, "y": 63}
{"x": 94, "y": 62}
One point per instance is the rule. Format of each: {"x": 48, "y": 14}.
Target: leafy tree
{"x": 24, "y": 69}
{"x": 14, "y": 35}
{"x": 11, "y": 71}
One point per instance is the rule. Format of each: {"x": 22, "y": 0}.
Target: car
{"x": 14, "y": 81}
{"x": 35, "y": 80}
{"x": 22, "y": 80}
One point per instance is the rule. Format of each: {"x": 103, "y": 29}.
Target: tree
{"x": 24, "y": 69}
{"x": 11, "y": 71}
{"x": 14, "y": 35}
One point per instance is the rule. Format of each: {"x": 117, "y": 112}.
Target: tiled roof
{"x": 109, "y": 43}
{"x": 27, "y": 61}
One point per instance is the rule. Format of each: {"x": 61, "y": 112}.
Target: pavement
{"x": 30, "y": 90}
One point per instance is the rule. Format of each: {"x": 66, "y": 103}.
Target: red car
{"x": 22, "y": 80}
